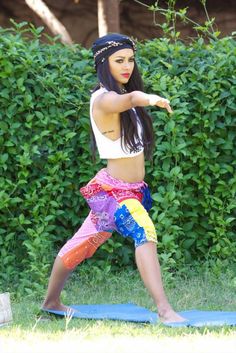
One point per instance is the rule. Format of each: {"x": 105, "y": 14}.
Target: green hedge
{"x": 45, "y": 153}
{"x": 193, "y": 177}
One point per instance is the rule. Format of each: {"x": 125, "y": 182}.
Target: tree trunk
{"x": 108, "y": 16}
{"x": 50, "y": 19}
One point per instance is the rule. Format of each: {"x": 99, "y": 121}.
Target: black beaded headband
{"x": 105, "y": 46}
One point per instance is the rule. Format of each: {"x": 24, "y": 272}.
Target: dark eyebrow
{"x": 123, "y": 57}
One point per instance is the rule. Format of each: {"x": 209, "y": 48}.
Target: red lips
{"x": 125, "y": 75}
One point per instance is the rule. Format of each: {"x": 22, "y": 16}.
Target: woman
{"x": 118, "y": 197}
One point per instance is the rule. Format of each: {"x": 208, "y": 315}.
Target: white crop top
{"x": 107, "y": 148}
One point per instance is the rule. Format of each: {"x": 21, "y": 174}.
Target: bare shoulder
{"x": 112, "y": 102}
{"x": 105, "y": 98}
{"x": 100, "y": 110}
{"x": 108, "y": 122}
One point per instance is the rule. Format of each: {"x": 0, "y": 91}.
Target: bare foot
{"x": 57, "y": 306}
{"x": 170, "y": 316}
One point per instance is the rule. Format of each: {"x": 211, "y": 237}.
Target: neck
{"x": 122, "y": 89}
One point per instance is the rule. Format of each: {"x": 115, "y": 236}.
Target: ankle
{"x": 49, "y": 304}
{"x": 163, "y": 309}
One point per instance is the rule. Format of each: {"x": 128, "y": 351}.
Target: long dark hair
{"x": 128, "y": 119}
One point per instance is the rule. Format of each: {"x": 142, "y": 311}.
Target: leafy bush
{"x": 45, "y": 153}
{"x": 44, "y": 133}
{"x": 193, "y": 176}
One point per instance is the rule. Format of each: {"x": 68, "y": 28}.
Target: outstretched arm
{"x": 112, "y": 102}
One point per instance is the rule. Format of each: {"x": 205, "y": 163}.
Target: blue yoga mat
{"x": 135, "y": 313}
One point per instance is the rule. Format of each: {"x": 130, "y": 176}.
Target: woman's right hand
{"x": 159, "y": 102}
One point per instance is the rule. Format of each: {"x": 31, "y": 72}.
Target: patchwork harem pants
{"x": 115, "y": 206}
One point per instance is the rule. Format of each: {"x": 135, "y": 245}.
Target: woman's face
{"x": 121, "y": 65}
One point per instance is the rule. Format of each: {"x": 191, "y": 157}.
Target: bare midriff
{"x": 131, "y": 170}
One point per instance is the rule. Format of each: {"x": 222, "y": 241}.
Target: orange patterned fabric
{"x": 84, "y": 250}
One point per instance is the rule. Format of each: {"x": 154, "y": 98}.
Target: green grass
{"x": 34, "y": 331}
